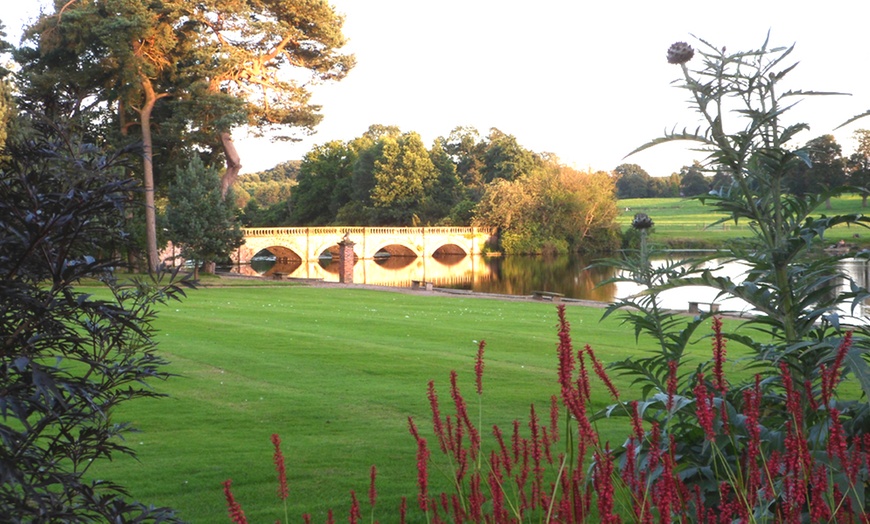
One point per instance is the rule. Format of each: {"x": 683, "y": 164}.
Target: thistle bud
{"x": 680, "y": 53}
{"x": 641, "y": 221}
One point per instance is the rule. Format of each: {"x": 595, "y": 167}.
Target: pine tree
{"x": 199, "y": 219}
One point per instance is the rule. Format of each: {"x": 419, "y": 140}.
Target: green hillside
{"x": 683, "y": 222}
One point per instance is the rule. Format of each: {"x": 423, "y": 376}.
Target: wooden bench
{"x": 417, "y": 284}
{"x": 547, "y": 295}
{"x": 694, "y": 307}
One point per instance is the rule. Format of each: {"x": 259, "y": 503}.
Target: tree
{"x": 588, "y": 208}
{"x": 825, "y": 168}
{"x": 267, "y": 54}
{"x": 692, "y": 180}
{"x": 632, "y": 181}
{"x": 509, "y": 206}
{"x": 505, "y": 158}
{"x": 404, "y": 174}
{"x": 324, "y": 184}
{"x": 69, "y": 361}
{"x": 220, "y": 64}
{"x": 666, "y": 187}
{"x": 200, "y": 220}
{"x": 8, "y": 109}
{"x": 858, "y": 165}
{"x": 553, "y": 209}
{"x": 447, "y": 191}
{"x": 126, "y": 54}
{"x": 721, "y": 181}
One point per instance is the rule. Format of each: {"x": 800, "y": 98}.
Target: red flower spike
{"x": 233, "y": 507}
{"x": 515, "y": 441}
{"x": 602, "y": 478}
{"x": 704, "y": 408}
{"x": 499, "y": 512}
{"x": 837, "y": 439}
{"x": 458, "y": 512}
{"x": 505, "y": 457}
{"x": 413, "y": 429}
{"x": 819, "y": 509}
{"x": 602, "y": 374}
{"x": 403, "y": 510}
{"x": 808, "y": 390}
{"x": 373, "y": 494}
{"x": 751, "y": 410}
{"x": 462, "y": 415}
{"x": 832, "y": 377}
{"x": 423, "y": 473}
{"x": 478, "y": 367}
{"x": 636, "y": 422}
{"x": 537, "y": 452}
{"x": 554, "y": 419}
{"x": 355, "y": 514}
{"x": 436, "y": 417}
{"x": 278, "y": 458}
{"x": 719, "y": 357}
{"x": 476, "y": 499}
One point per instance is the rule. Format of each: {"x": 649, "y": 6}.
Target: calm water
{"x": 511, "y": 275}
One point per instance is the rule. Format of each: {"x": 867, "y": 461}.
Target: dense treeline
{"x": 389, "y": 177}
{"x": 262, "y": 196}
{"x": 824, "y": 166}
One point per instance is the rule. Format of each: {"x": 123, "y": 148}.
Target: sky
{"x": 586, "y": 81}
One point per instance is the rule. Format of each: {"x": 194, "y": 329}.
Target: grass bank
{"x": 336, "y": 372}
{"x": 686, "y": 223}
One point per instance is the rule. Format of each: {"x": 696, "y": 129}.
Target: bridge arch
{"x": 280, "y": 253}
{"x": 397, "y": 250}
{"x": 449, "y": 249}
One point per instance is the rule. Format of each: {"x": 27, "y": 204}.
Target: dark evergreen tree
{"x": 200, "y": 221}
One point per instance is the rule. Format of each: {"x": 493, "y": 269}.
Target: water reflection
{"x": 514, "y": 275}
{"x": 520, "y": 275}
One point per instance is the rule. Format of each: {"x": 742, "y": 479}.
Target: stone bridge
{"x": 310, "y": 243}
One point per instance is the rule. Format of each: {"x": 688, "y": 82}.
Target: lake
{"x": 512, "y": 275}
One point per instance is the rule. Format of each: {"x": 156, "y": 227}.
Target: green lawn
{"x": 679, "y": 220}
{"x": 336, "y": 372}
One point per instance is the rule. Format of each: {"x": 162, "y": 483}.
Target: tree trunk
{"x": 864, "y": 200}
{"x": 148, "y": 170}
{"x": 234, "y": 164}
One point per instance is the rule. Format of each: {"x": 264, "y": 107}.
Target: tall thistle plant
{"x": 801, "y": 306}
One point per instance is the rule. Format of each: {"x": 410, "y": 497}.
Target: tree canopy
{"x": 199, "y": 69}
{"x": 632, "y": 181}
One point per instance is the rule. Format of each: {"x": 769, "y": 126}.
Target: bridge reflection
{"x": 397, "y": 271}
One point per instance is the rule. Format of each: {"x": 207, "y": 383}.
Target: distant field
{"x": 679, "y": 220}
